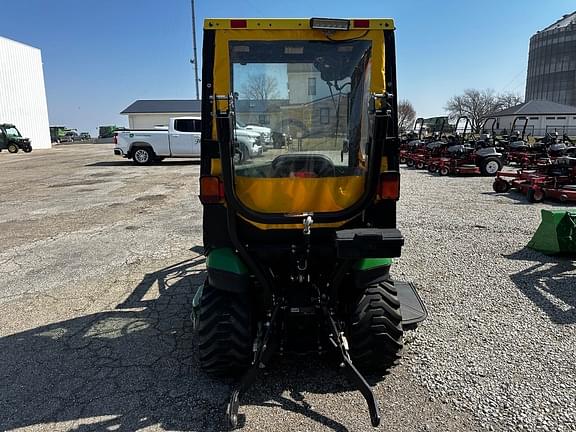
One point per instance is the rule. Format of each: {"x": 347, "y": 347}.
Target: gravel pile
{"x": 501, "y": 336}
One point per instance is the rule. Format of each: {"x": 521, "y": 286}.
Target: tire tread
{"x": 223, "y": 332}
{"x": 376, "y": 334}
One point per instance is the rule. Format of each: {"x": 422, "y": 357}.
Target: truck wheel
{"x": 27, "y": 149}
{"x": 490, "y": 165}
{"x": 376, "y": 328}
{"x": 535, "y": 195}
{"x": 410, "y": 163}
{"x": 12, "y": 148}
{"x": 240, "y": 154}
{"x": 224, "y": 332}
{"x": 443, "y": 171}
{"x": 501, "y": 186}
{"x": 143, "y": 155}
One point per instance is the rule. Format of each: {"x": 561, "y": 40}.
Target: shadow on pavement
{"x": 125, "y": 162}
{"x": 136, "y": 366}
{"x": 550, "y": 283}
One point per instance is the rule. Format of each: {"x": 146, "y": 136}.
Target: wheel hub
{"x": 492, "y": 167}
{"x": 141, "y": 156}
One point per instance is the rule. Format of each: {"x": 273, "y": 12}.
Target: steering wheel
{"x": 303, "y": 166}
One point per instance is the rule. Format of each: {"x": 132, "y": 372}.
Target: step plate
{"x": 411, "y": 305}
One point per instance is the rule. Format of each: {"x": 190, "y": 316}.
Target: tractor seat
{"x": 303, "y": 165}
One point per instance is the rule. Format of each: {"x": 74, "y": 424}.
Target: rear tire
{"x": 501, "y": 186}
{"x": 240, "y": 154}
{"x": 443, "y": 171}
{"x": 376, "y": 328}
{"x": 12, "y": 148}
{"x": 224, "y": 332}
{"x": 410, "y": 163}
{"x": 143, "y": 155}
{"x": 490, "y": 165}
{"x": 420, "y": 165}
{"x": 535, "y": 195}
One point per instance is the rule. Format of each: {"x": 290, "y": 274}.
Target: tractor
{"x": 299, "y": 242}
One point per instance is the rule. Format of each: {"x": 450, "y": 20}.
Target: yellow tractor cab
{"x": 300, "y": 238}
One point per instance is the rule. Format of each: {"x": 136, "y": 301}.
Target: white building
{"x": 543, "y": 116}
{"x": 22, "y": 92}
{"x": 144, "y": 114}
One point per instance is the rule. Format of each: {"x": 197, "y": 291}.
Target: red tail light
{"x": 361, "y": 23}
{"x": 389, "y": 187}
{"x": 238, "y": 23}
{"x": 211, "y": 190}
{"x": 115, "y": 139}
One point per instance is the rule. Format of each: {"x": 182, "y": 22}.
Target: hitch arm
{"x": 339, "y": 341}
{"x": 263, "y": 354}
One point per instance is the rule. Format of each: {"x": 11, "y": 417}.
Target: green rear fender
{"x": 367, "y": 271}
{"x": 225, "y": 259}
{"x": 372, "y": 263}
{"x": 226, "y": 271}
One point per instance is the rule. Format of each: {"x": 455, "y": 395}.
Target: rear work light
{"x": 329, "y": 24}
{"x": 211, "y": 190}
{"x": 389, "y": 187}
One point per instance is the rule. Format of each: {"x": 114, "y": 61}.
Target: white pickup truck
{"x": 181, "y": 139}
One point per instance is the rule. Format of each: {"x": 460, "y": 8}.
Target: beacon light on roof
{"x": 329, "y": 24}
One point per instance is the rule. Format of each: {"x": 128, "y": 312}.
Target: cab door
{"x": 185, "y": 138}
{"x": 2, "y": 139}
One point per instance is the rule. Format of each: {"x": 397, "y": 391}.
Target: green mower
{"x": 299, "y": 242}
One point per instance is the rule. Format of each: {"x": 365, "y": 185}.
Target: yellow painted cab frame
{"x": 299, "y": 194}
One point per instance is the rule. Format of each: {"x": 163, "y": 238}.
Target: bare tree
{"x": 507, "y": 100}
{"x": 474, "y": 104}
{"x": 260, "y": 87}
{"x": 406, "y": 115}
{"x": 479, "y": 104}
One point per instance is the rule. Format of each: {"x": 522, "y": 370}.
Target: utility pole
{"x": 195, "y": 59}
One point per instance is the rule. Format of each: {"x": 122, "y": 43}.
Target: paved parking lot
{"x": 99, "y": 261}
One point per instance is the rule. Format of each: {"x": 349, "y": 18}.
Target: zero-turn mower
{"x": 519, "y": 152}
{"x": 556, "y": 180}
{"x": 299, "y": 242}
{"x": 469, "y": 158}
{"x": 419, "y": 152}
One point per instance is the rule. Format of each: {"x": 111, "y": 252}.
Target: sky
{"x": 99, "y": 56}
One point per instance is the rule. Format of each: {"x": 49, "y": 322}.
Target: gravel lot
{"x": 100, "y": 259}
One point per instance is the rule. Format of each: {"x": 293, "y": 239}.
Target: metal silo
{"x": 22, "y": 92}
{"x": 552, "y": 63}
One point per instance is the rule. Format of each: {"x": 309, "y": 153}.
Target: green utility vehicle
{"x": 12, "y": 140}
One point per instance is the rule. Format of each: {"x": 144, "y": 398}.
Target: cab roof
{"x": 294, "y": 23}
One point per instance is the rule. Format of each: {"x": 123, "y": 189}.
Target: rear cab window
{"x": 187, "y": 125}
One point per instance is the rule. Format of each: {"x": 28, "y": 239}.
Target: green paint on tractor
{"x": 225, "y": 259}
{"x": 370, "y": 263}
